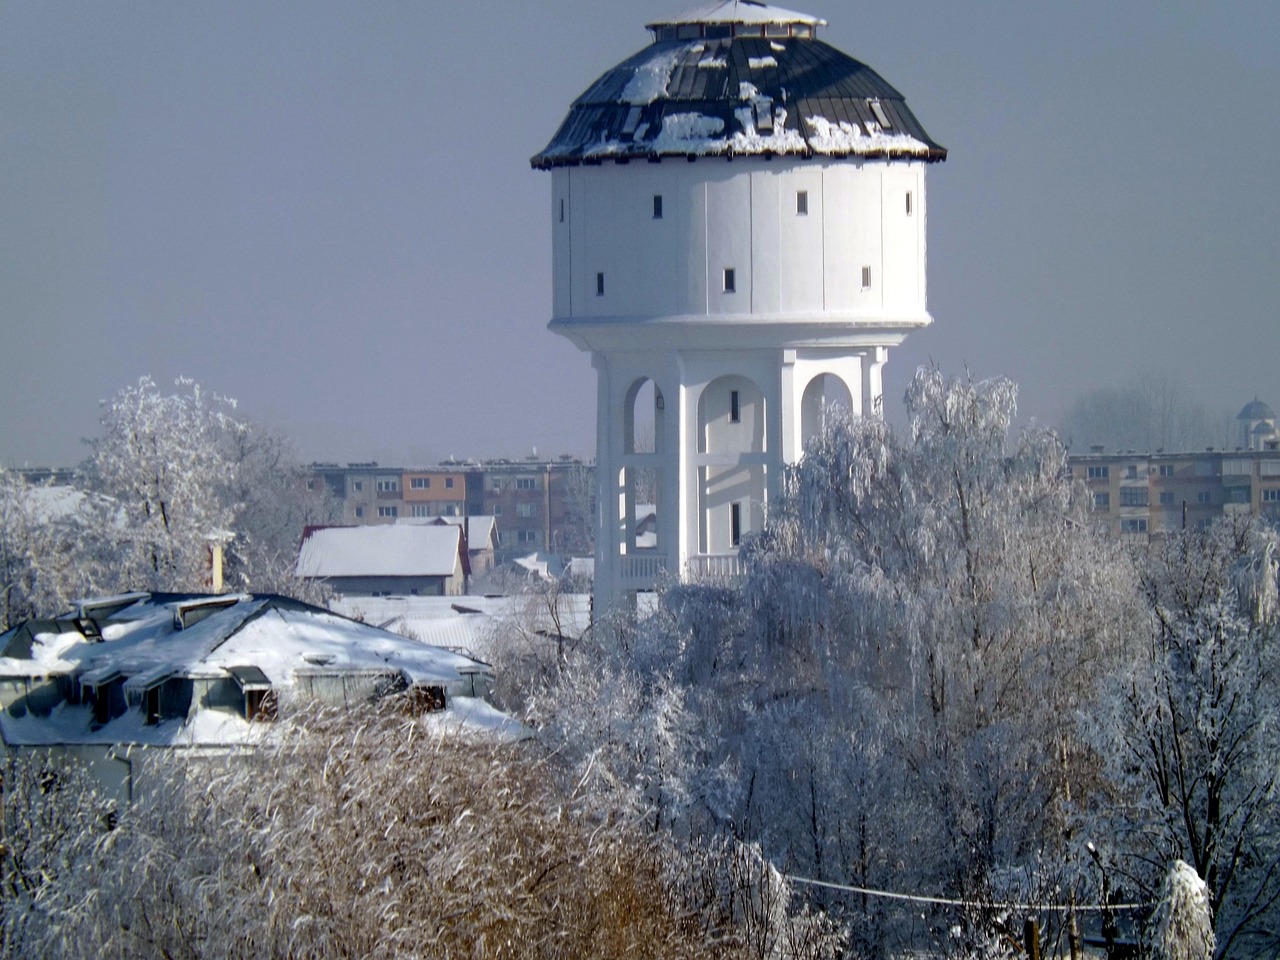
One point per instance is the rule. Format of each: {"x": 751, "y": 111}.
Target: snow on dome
{"x": 741, "y": 11}
{"x": 684, "y": 94}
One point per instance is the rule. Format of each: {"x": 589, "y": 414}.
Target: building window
{"x": 359, "y": 512}
{"x": 1166, "y": 469}
{"x": 1135, "y": 525}
{"x": 802, "y": 203}
{"x": 526, "y": 536}
{"x": 735, "y": 410}
{"x": 526, "y": 510}
{"x": 1133, "y": 497}
{"x": 1102, "y": 501}
{"x": 735, "y": 524}
{"x": 496, "y": 510}
{"x": 420, "y": 483}
{"x": 1131, "y": 472}
{"x": 357, "y": 485}
{"x": 1166, "y": 498}
{"x": 388, "y": 512}
{"x": 599, "y": 284}
{"x": 448, "y": 483}
{"x": 1271, "y": 496}
{"x": 420, "y": 510}
{"x": 526, "y": 483}
{"x": 1237, "y": 495}
{"x": 1204, "y": 496}
{"x": 657, "y": 206}
{"x": 389, "y": 485}
{"x": 497, "y": 485}
{"x": 562, "y": 210}
{"x": 866, "y": 278}
{"x": 908, "y": 203}
{"x": 730, "y": 280}
{"x": 1099, "y": 473}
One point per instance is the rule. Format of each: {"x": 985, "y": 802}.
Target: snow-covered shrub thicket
{"x": 368, "y": 833}
{"x": 1190, "y": 730}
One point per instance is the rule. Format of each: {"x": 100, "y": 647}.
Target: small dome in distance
{"x": 1256, "y": 410}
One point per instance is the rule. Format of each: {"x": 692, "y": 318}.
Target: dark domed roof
{"x": 1256, "y": 410}
{"x": 714, "y": 84}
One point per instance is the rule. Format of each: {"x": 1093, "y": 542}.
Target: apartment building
{"x": 1141, "y": 495}
{"x": 537, "y": 505}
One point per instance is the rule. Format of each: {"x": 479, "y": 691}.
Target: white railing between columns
{"x": 715, "y": 566}
{"x": 640, "y": 567}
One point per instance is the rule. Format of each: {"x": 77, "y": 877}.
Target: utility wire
{"x": 990, "y": 905}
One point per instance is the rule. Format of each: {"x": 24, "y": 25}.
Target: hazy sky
{"x": 326, "y": 210}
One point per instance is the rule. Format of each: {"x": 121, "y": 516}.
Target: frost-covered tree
{"x": 1191, "y": 730}
{"x": 1154, "y": 413}
{"x": 160, "y": 461}
{"x": 169, "y": 476}
{"x": 40, "y": 549}
{"x": 888, "y": 699}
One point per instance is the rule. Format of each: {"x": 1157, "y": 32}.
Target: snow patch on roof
{"x": 652, "y": 77}
{"x": 761, "y": 63}
{"x": 689, "y": 133}
{"x": 391, "y": 550}
{"x": 845, "y": 137}
{"x": 742, "y": 11}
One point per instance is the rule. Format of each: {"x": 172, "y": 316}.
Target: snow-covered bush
{"x": 1184, "y": 921}
{"x": 366, "y": 833}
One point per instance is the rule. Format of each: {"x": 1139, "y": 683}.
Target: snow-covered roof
{"x": 389, "y": 550}
{"x": 741, "y": 11}
{"x": 706, "y": 87}
{"x": 146, "y": 643}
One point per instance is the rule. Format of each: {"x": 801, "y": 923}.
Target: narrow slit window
{"x": 600, "y": 284}
{"x": 735, "y": 524}
{"x": 730, "y": 280}
{"x": 866, "y": 278}
{"x": 735, "y": 411}
{"x": 909, "y": 207}
{"x": 562, "y": 210}
{"x": 802, "y": 203}
{"x": 657, "y": 206}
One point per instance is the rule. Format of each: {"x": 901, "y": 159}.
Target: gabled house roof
{"x": 260, "y": 642}
{"x": 389, "y": 550}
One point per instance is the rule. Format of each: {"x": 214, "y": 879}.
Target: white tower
{"x": 738, "y": 214}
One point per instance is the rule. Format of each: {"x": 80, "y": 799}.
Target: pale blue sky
{"x": 326, "y": 209}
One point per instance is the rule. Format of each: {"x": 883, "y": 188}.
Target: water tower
{"x": 738, "y": 222}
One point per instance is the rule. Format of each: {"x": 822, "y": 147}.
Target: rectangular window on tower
{"x": 735, "y": 412}
{"x": 909, "y": 210}
{"x": 802, "y": 203}
{"x": 730, "y": 280}
{"x": 562, "y": 211}
{"x": 735, "y": 524}
{"x": 866, "y": 278}
{"x": 657, "y": 206}
{"x": 599, "y": 284}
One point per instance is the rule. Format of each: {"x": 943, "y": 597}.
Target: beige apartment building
{"x": 537, "y": 505}
{"x": 1140, "y": 495}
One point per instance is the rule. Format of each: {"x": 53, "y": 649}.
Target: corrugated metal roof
{"x": 738, "y": 96}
